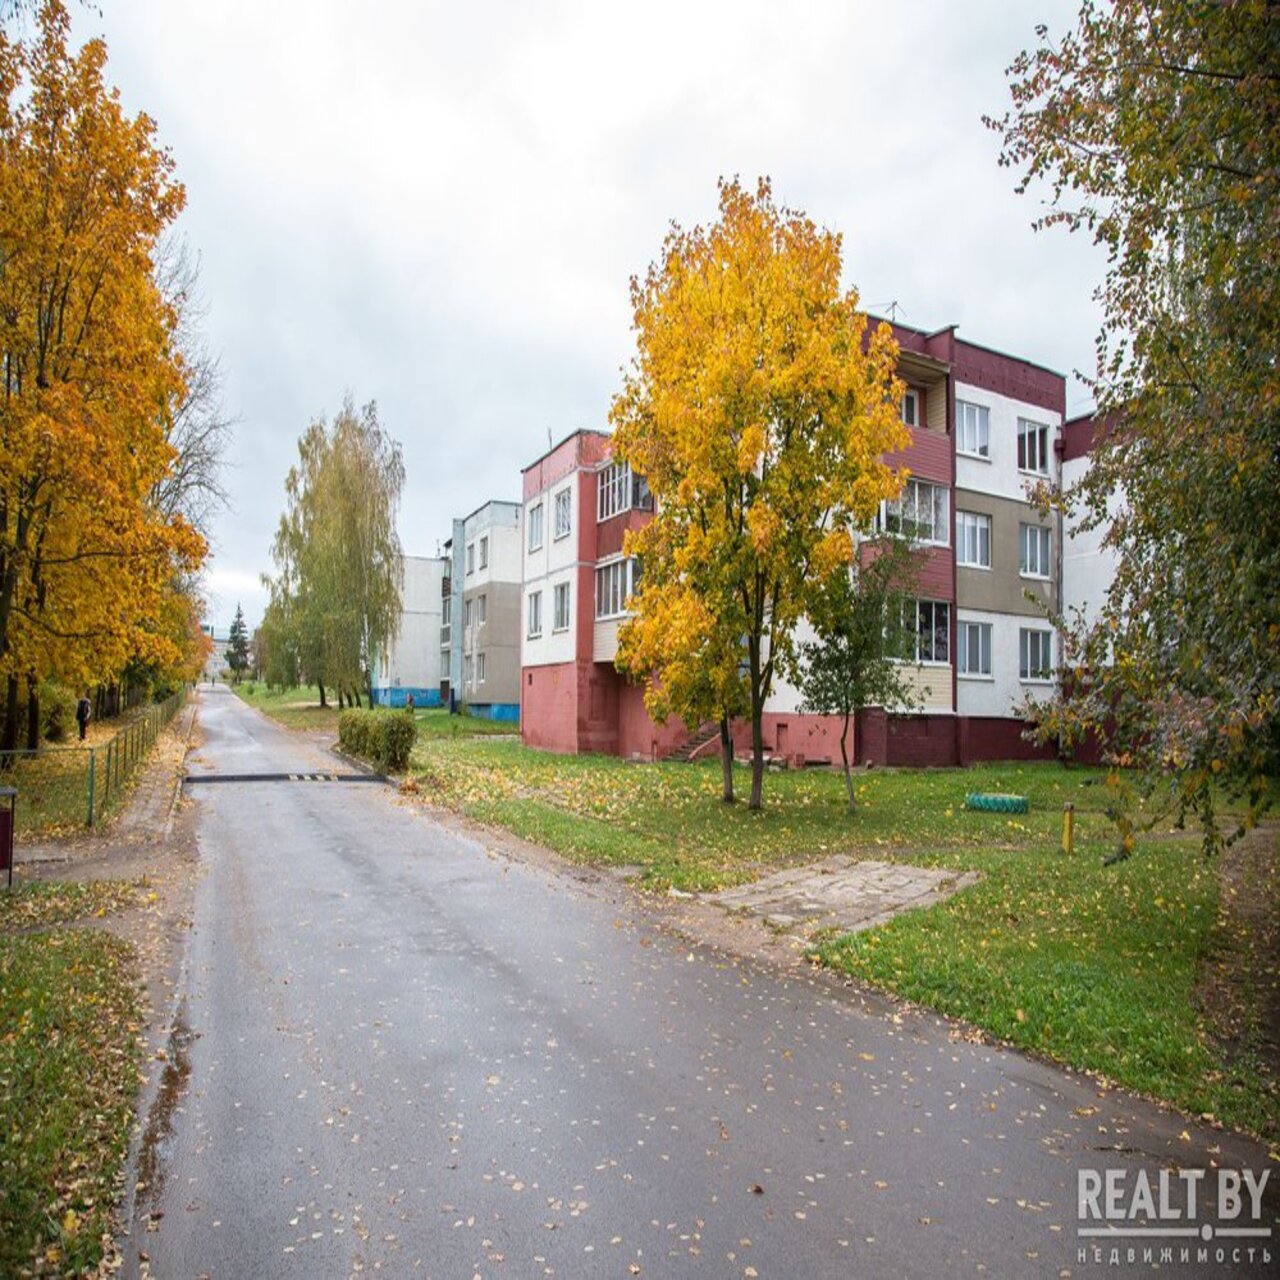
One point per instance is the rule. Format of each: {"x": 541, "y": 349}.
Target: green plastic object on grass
{"x": 996, "y": 803}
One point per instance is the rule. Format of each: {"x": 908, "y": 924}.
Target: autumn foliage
{"x": 759, "y": 407}
{"x": 89, "y": 567}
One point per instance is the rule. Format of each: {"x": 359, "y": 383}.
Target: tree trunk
{"x": 844, "y": 755}
{"x": 757, "y": 755}
{"x": 33, "y": 714}
{"x": 342, "y": 699}
{"x": 320, "y": 683}
{"x": 9, "y": 734}
{"x": 726, "y": 759}
{"x": 757, "y": 725}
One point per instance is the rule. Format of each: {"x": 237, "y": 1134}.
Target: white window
{"x": 560, "y": 602}
{"x": 1033, "y": 447}
{"x": 479, "y": 668}
{"x": 471, "y": 557}
{"x": 484, "y": 555}
{"x": 921, "y": 513}
{"x": 482, "y": 610}
{"x": 973, "y": 655}
{"x": 564, "y": 512}
{"x": 973, "y": 429}
{"x": 618, "y": 490}
{"x": 911, "y": 408}
{"x": 535, "y": 614}
{"x": 1035, "y": 654}
{"x": 446, "y": 611}
{"x": 466, "y": 614}
{"x": 932, "y": 629}
{"x": 535, "y": 526}
{"x": 1033, "y": 551}
{"x": 973, "y": 539}
{"x": 613, "y": 493}
{"x": 615, "y": 582}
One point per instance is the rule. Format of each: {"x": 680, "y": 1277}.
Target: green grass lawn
{"x": 1094, "y": 966}
{"x": 436, "y": 722}
{"x": 297, "y": 708}
{"x": 69, "y": 1017}
{"x": 300, "y": 708}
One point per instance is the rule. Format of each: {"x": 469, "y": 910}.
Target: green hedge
{"x": 382, "y": 736}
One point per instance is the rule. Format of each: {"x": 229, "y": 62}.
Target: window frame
{"x": 535, "y": 522}
{"x": 1029, "y": 429}
{"x": 533, "y": 614}
{"x": 917, "y": 605}
{"x": 982, "y": 424}
{"x": 1044, "y": 551}
{"x": 562, "y": 498}
{"x": 985, "y": 636}
{"x": 561, "y": 591}
{"x": 962, "y": 532}
{"x": 911, "y": 396}
{"x": 471, "y": 558}
{"x": 480, "y": 667}
{"x": 1043, "y": 637}
{"x": 627, "y": 577}
{"x": 914, "y": 486}
{"x": 482, "y": 609}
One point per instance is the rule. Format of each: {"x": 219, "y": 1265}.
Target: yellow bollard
{"x": 1068, "y": 827}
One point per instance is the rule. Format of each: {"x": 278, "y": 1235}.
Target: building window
{"x": 482, "y": 610}
{"x": 535, "y": 526}
{"x": 617, "y": 490}
{"x": 932, "y": 629}
{"x": 973, "y": 656}
{"x": 471, "y": 557}
{"x": 911, "y": 408}
{"x": 973, "y": 539}
{"x": 1033, "y": 447}
{"x": 466, "y": 669}
{"x": 1035, "y": 654}
{"x": 1033, "y": 551}
{"x": 564, "y": 512}
{"x": 466, "y": 614}
{"x": 616, "y": 582}
{"x": 535, "y": 614}
{"x": 484, "y": 555}
{"x": 921, "y": 513}
{"x": 560, "y": 618}
{"x": 479, "y": 668}
{"x": 446, "y": 611}
{"x": 973, "y": 429}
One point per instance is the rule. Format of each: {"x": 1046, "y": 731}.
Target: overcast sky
{"x": 439, "y": 206}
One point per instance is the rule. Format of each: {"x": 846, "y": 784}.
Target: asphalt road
{"x": 398, "y": 1053}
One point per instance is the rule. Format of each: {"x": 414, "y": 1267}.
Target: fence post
{"x": 106, "y": 777}
{"x": 92, "y": 755}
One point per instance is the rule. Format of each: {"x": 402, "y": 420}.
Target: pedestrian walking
{"x": 84, "y": 709}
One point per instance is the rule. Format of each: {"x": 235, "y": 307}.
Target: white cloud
{"x": 439, "y": 206}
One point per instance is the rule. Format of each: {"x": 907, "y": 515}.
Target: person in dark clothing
{"x": 84, "y": 709}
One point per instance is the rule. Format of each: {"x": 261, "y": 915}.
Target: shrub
{"x": 380, "y": 735}
{"x": 57, "y": 710}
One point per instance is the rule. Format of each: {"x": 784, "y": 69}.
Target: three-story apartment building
{"x": 986, "y": 432}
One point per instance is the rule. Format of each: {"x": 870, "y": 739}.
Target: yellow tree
{"x": 759, "y": 406}
{"x": 89, "y": 372}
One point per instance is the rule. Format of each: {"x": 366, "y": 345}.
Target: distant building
{"x": 411, "y": 663}
{"x": 480, "y": 629}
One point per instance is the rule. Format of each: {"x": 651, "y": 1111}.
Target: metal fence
{"x": 77, "y": 786}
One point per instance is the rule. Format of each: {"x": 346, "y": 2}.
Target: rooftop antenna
{"x": 893, "y": 311}
{"x": 548, "y": 439}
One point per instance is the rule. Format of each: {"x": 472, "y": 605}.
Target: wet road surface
{"x": 396, "y": 1053}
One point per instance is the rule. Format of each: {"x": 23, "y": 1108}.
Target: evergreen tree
{"x": 237, "y": 653}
